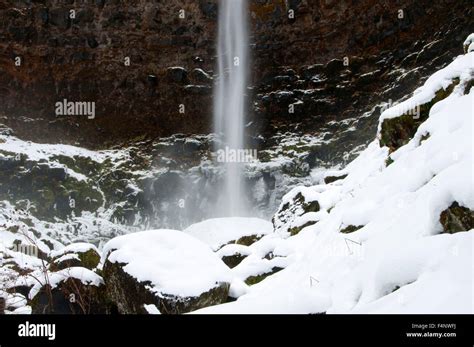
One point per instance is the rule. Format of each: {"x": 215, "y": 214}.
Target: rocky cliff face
{"x": 52, "y": 50}
{"x": 112, "y": 53}
{"x": 338, "y": 59}
{"x": 321, "y": 74}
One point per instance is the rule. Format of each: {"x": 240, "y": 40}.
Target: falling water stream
{"x": 229, "y": 105}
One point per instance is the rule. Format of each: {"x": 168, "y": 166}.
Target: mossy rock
{"x": 456, "y": 218}
{"x": 244, "y": 241}
{"x": 130, "y": 295}
{"x": 50, "y": 189}
{"x": 84, "y": 165}
{"x": 251, "y": 280}
{"x": 89, "y": 260}
{"x": 248, "y": 240}
{"x": 293, "y": 209}
{"x": 13, "y": 229}
{"x": 308, "y": 206}
{"x": 397, "y": 132}
{"x": 351, "y": 228}
{"x": 296, "y": 230}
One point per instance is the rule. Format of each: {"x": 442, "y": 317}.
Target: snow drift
{"x": 376, "y": 244}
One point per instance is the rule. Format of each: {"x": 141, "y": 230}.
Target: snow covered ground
{"x": 218, "y": 232}
{"x": 398, "y": 261}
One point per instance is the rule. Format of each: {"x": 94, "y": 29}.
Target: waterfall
{"x": 229, "y": 105}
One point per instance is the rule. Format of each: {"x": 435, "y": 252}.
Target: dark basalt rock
{"x": 200, "y": 76}
{"x": 457, "y": 218}
{"x": 2, "y": 305}
{"x": 71, "y": 296}
{"x": 23, "y": 290}
{"x": 178, "y": 75}
{"x": 208, "y": 8}
{"x": 59, "y": 17}
{"x": 199, "y": 89}
{"x": 92, "y": 42}
{"x": 233, "y": 260}
{"x": 334, "y": 67}
{"x": 130, "y": 295}
{"x": 330, "y": 179}
{"x": 64, "y": 57}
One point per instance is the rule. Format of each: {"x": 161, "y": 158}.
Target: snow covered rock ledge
{"x": 218, "y": 232}
{"x": 167, "y": 268}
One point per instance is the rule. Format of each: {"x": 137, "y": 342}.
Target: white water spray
{"x": 229, "y": 106}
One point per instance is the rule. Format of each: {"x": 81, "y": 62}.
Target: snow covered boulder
{"x": 295, "y": 204}
{"x": 75, "y": 255}
{"x": 219, "y": 232}
{"x": 167, "y": 268}
{"x": 73, "y": 290}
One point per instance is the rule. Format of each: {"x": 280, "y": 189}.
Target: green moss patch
{"x": 259, "y": 278}
{"x": 397, "y": 132}
{"x": 351, "y": 228}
